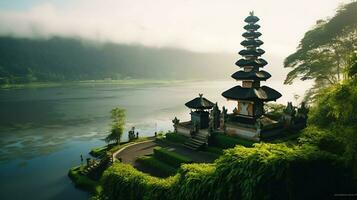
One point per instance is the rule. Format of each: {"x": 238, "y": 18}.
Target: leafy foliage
{"x": 352, "y": 66}
{"x": 323, "y": 53}
{"x": 336, "y": 106}
{"x": 122, "y": 181}
{"x": 266, "y": 171}
{"x": 117, "y": 126}
{"x": 335, "y": 111}
{"x": 323, "y": 139}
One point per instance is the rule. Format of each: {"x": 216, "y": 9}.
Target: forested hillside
{"x": 61, "y": 59}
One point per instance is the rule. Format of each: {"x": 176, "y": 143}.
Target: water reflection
{"x": 36, "y": 122}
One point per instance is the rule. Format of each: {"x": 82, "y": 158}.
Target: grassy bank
{"x": 265, "y": 171}
{"x": 82, "y": 181}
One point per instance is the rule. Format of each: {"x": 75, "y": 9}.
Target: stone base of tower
{"x": 251, "y": 130}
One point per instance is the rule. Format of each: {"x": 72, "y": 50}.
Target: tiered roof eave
{"x": 263, "y": 93}
{"x": 259, "y": 62}
{"x": 252, "y": 75}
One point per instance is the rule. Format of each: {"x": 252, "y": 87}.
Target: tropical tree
{"x": 117, "y": 125}
{"x": 324, "y": 52}
{"x": 335, "y": 112}
{"x": 351, "y": 71}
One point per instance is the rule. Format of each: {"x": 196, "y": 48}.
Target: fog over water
{"x": 195, "y": 25}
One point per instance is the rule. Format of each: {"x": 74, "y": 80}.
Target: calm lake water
{"x": 44, "y": 131}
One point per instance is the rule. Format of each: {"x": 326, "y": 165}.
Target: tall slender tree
{"x": 117, "y": 125}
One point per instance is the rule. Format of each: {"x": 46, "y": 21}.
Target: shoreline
{"x": 84, "y": 182}
{"x": 35, "y": 85}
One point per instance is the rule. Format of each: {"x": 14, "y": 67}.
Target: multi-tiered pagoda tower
{"x": 248, "y": 119}
{"x": 251, "y": 95}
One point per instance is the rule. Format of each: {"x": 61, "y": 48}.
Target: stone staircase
{"x": 97, "y": 166}
{"x": 197, "y": 141}
{"x": 88, "y": 169}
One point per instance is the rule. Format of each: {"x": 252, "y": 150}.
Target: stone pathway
{"x": 131, "y": 153}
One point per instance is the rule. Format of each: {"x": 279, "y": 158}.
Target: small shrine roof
{"x": 200, "y": 103}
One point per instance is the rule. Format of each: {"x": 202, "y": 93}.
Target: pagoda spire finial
{"x": 251, "y": 13}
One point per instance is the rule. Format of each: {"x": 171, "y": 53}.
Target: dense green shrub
{"x": 265, "y": 171}
{"x": 155, "y": 165}
{"x": 275, "y": 171}
{"x": 225, "y": 141}
{"x": 176, "y": 138}
{"x": 122, "y": 181}
{"x": 170, "y": 157}
{"x": 322, "y": 138}
{"x": 195, "y": 181}
{"x": 336, "y": 105}
{"x": 335, "y": 113}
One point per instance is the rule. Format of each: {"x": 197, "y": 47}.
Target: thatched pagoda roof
{"x": 251, "y": 52}
{"x": 251, "y": 27}
{"x": 255, "y": 63}
{"x": 250, "y": 42}
{"x": 251, "y": 18}
{"x": 251, "y": 34}
{"x": 263, "y": 93}
{"x": 200, "y": 103}
{"x": 252, "y": 75}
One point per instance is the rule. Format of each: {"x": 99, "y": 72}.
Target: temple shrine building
{"x": 248, "y": 120}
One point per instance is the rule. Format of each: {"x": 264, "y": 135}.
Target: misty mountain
{"x": 61, "y": 59}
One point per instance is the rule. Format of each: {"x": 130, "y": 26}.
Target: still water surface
{"x": 44, "y": 131}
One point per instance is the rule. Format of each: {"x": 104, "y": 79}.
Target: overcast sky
{"x": 195, "y": 25}
{"x": 198, "y": 25}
